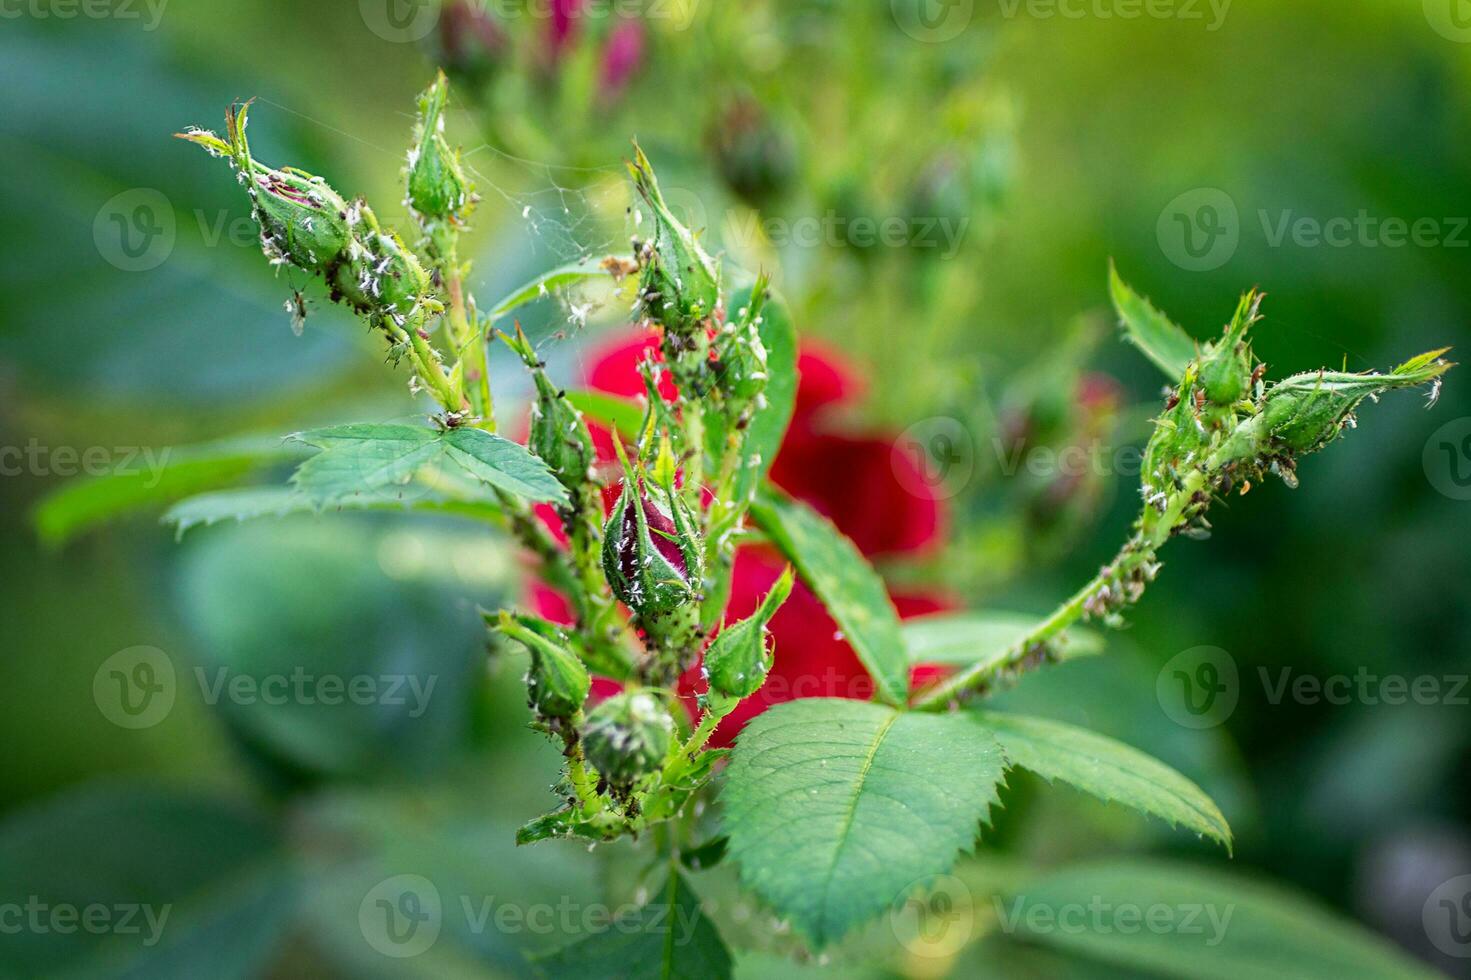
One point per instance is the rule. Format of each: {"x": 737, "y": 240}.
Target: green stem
{"x": 1131, "y": 560}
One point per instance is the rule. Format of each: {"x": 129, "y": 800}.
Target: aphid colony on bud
{"x": 1223, "y": 427}
{"x": 653, "y": 557}
{"x": 627, "y": 738}
{"x": 557, "y": 683}
{"x": 680, "y": 286}
{"x": 304, "y": 222}
{"x": 438, "y": 189}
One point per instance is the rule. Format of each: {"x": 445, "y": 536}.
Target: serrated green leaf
{"x": 571, "y": 274}
{"x": 375, "y": 462}
{"x": 976, "y": 637}
{"x": 670, "y": 938}
{"x": 503, "y": 464}
{"x": 150, "y": 481}
{"x": 365, "y": 460}
{"x": 1206, "y": 925}
{"x": 1107, "y": 769}
{"x": 836, "y": 808}
{"x": 847, "y": 584}
{"x": 1161, "y": 340}
{"x": 252, "y": 503}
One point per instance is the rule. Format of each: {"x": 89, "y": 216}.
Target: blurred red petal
{"x": 860, "y": 484}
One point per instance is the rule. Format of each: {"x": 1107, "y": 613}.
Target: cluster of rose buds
{"x": 1222, "y": 429}
{"x": 638, "y": 576}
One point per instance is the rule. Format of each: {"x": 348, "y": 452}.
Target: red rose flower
{"x": 850, "y": 479}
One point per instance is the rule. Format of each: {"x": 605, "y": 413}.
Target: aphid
{"x": 296, "y": 306}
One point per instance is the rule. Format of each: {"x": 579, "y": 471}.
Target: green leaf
{"x": 769, "y": 427}
{"x": 670, "y": 938}
{"x": 977, "y": 637}
{"x": 847, "y": 584}
{"x": 377, "y": 462}
{"x": 252, "y": 503}
{"x": 154, "y": 478}
{"x": 571, "y": 274}
{"x": 1164, "y": 343}
{"x": 503, "y": 464}
{"x": 364, "y": 459}
{"x": 1107, "y": 769}
{"x": 1208, "y": 925}
{"x": 621, "y": 414}
{"x": 190, "y": 886}
{"x": 837, "y": 808}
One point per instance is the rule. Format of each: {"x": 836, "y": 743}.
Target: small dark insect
{"x": 296, "y": 306}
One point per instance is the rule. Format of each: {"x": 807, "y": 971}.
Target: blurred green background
{"x": 1180, "y": 146}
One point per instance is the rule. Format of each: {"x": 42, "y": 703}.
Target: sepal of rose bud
{"x": 302, "y": 220}
{"x": 628, "y": 737}
{"x": 557, "y": 683}
{"x": 738, "y": 659}
{"x": 1226, "y": 367}
{"x": 1305, "y": 412}
{"x": 1179, "y": 438}
{"x": 438, "y": 189}
{"x": 652, "y": 556}
{"x": 680, "y": 288}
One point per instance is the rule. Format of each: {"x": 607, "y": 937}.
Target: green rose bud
{"x": 303, "y": 221}
{"x": 1305, "y": 412}
{"x": 738, "y": 659}
{"x": 1226, "y": 366}
{"x": 740, "y": 366}
{"x": 680, "y": 288}
{"x": 559, "y": 434}
{"x": 438, "y": 189}
{"x": 652, "y": 555}
{"x": 628, "y": 737}
{"x": 557, "y": 682}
